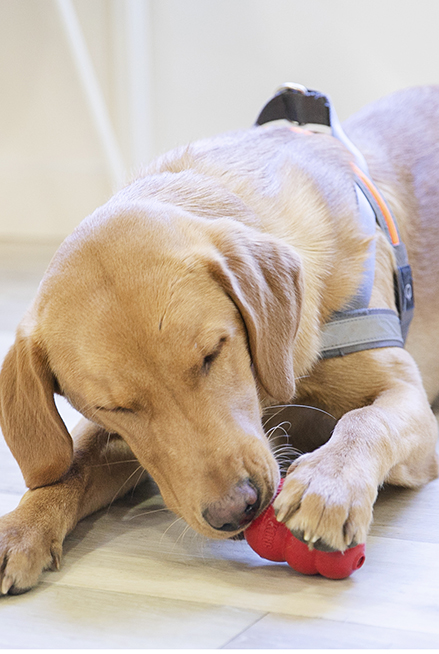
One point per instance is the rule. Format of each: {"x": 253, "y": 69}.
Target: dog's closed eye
{"x": 116, "y": 409}
{"x": 210, "y": 358}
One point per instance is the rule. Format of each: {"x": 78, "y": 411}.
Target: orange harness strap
{"x": 355, "y": 327}
{"x": 390, "y": 223}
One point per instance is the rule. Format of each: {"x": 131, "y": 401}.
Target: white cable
{"x": 139, "y": 80}
{"x": 93, "y": 93}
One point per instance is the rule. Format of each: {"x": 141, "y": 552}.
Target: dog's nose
{"x": 235, "y": 510}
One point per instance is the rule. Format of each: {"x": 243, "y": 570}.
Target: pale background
{"x": 164, "y": 72}
{"x": 159, "y": 73}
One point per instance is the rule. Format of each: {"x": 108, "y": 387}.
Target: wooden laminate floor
{"x": 135, "y": 577}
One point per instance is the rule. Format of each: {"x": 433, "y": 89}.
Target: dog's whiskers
{"x": 297, "y": 406}
{"x": 149, "y": 512}
{"x": 271, "y": 432}
{"x": 285, "y": 460}
{"x": 170, "y": 527}
{"x": 113, "y": 463}
{"x": 106, "y": 448}
{"x": 141, "y": 474}
{"x": 124, "y": 484}
{"x": 264, "y": 424}
{"x": 283, "y": 451}
{"x": 183, "y": 534}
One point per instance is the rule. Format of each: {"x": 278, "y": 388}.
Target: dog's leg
{"x": 31, "y": 536}
{"x": 328, "y": 495}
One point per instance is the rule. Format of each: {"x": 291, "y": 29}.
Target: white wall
{"x": 209, "y": 66}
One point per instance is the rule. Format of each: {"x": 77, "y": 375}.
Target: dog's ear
{"x": 31, "y": 424}
{"x": 263, "y": 276}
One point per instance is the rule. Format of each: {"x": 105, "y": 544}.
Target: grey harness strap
{"x": 355, "y": 327}
{"x": 361, "y": 329}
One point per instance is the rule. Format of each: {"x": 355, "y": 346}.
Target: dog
{"x": 193, "y": 301}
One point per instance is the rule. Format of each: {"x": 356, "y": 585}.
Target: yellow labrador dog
{"x": 196, "y": 298}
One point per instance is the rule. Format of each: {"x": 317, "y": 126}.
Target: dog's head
{"x": 164, "y": 329}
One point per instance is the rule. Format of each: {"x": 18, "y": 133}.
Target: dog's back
{"x": 399, "y": 137}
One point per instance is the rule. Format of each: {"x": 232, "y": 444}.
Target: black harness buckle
{"x": 297, "y": 104}
{"x": 405, "y": 301}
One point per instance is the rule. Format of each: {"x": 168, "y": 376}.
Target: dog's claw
{"x": 284, "y": 512}
{"x": 279, "y": 513}
{"x": 7, "y": 583}
{"x": 56, "y": 559}
{"x": 314, "y": 542}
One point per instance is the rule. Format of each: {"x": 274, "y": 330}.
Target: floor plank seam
{"x": 241, "y": 633}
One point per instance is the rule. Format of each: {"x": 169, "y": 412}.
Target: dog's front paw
{"x": 26, "y": 550}
{"x": 326, "y": 501}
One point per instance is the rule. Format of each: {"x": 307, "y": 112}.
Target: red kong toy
{"x": 273, "y": 541}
